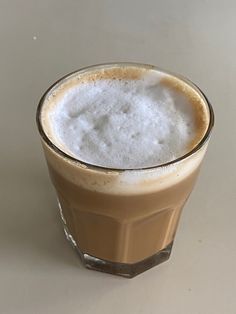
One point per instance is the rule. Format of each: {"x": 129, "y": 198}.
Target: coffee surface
{"x": 127, "y": 120}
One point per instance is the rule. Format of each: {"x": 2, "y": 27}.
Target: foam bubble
{"x": 123, "y": 123}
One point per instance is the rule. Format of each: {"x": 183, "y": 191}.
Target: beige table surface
{"x": 39, "y": 42}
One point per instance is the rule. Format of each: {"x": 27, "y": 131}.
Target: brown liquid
{"x": 121, "y": 228}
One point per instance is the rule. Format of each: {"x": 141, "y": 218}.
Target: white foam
{"x": 123, "y": 123}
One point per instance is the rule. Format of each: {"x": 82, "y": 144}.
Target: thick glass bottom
{"x": 121, "y": 269}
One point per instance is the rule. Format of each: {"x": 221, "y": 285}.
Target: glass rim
{"x": 55, "y": 148}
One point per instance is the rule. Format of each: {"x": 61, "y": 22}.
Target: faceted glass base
{"x": 121, "y": 269}
{"x": 127, "y": 270}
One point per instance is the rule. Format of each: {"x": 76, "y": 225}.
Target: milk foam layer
{"x": 125, "y": 122}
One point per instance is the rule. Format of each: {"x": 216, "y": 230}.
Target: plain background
{"x": 40, "y": 41}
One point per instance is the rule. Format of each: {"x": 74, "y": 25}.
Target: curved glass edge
{"x": 123, "y": 64}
